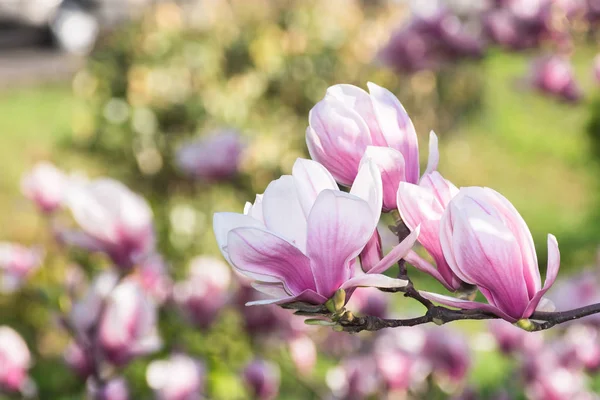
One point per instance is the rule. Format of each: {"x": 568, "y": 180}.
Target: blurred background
{"x": 118, "y": 88}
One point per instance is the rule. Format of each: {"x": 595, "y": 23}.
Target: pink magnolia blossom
{"x": 15, "y": 360}
{"x": 16, "y": 264}
{"x": 487, "y": 243}
{"x": 114, "y": 220}
{"x": 178, "y": 378}
{"x": 299, "y": 240}
{"x": 212, "y": 158}
{"x": 554, "y": 75}
{"x": 448, "y": 354}
{"x": 356, "y": 377}
{"x": 349, "y": 123}
{"x": 128, "y": 325}
{"x": 202, "y": 296}
{"x": 262, "y": 379}
{"x": 46, "y": 186}
{"x": 114, "y": 389}
{"x": 423, "y": 205}
{"x": 78, "y": 359}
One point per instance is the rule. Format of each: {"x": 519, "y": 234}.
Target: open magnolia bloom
{"x": 487, "y": 243}
{"x": 300, "y": 240}
{"x": 423, "y": 205}
{"x": 350, "y": 123}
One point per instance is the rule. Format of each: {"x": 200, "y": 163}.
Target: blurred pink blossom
{"x": 15, "y": 360}
{"x": 369, "y": 301}
{"x": 212, "y": 157}
{"x": 356, "y": 378}
{"x": 46, "y": 186}
{"x": 128, "y": 325}
{"x": 262, "y": 379}
{"x": 513, "y": 340}
{"x": 178, "y": 378}
{"x": 153, "y": 276}
{"x": 303, "y": 353}
{"x": 114, "y": 220}
{"x": 78, "y": 359}
{"x": 17, "y": 263}
{"x": 448, "y": 353}
{"x": 205, "y": 292}
{"x": 553, "y": 75}
{"x": 114, "y": 389}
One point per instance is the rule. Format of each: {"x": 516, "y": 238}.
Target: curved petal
{"x": 307, "y": 296}
{"x": 397, "y": 128}
{"x": 434, "y": 154}
{"x": 422, "y": 265}
{"x": 372, "y": 253}
{"x": 337, "y": 138}
{"x": 374, "y": 280}
{"x": 223, "y": 222}
{"x": 417, "y": 204}
{"x": 360, "y": 101}
{"x": 443, "y": 190}
{"x": 368, "y": 187}
{"x": 256, "y": 251}
{"x": 271, "y": 289}
{"x": 255, "y": 210}
{"x": 398, "y": 252}
{"x": 311, "y": 178}
{"x": 339, "y": 227}
{"x": 391, "y": 165}
{"x": 551, "y": 274}
{"x": 282, "y": 211}
{"x": 466, "y": 304}
{"x": 487, "y": 254}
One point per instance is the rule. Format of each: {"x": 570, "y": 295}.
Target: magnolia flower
{"x": 423, "y": 205}
{"x": 212, "y": 158}
{"x": 78, "y": 359}
{"x": 114, "y": 220}
{"x": 114, "y": 389}
{"x": 487, "y": 243}
{"x": 14, "y": 360}
{"x": 128, "y": 326}
{"x": 178, "y": 378}
{"x": 205, "y": 292}
{"x": 350, "y": 122}
{"x": 262, "y": 379}
{"x": 448, "y": 354}
{"x": 46, "y": 186}
{"x": 355, "y": 378}
{"x": 16, "y": 264}
{"x": 300, "y": 239}
{"x": 554, "y": 75}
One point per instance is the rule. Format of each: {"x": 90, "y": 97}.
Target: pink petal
{"x": 311, "y": 178}
{"x": 466, "y": 304}
{"x": 282, "y": 211}
{"x": 276, "y": 289}
{"x": 360, "y": 101}
{"x": 434, "y": 154}
{"x": 417, "y": 204}
{"x": 487, "y": 254}
{"x": 391, "y": 164}
{"x": 372, "y": 253}
{"x": 442, "y": 189}
{"x": 339, "y": 227}
{"x": 224, "y": 222}
{"x": 337, "y": 138}
{"x": 368, "y": 186}
{"x": 307, "y": 296}
{"x": 422, "y": 265}
{"x": 397, "y": 128}
{"x": 398, "y": 252}
{"x": 551, "y": 274}
{"x": 256, "y": 251}
{"x": 374, "y": 280}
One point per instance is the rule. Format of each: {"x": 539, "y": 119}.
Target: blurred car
{"x": 73, "y": 25}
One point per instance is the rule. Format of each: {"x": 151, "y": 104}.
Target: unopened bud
{"x": 525, "y": 324}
